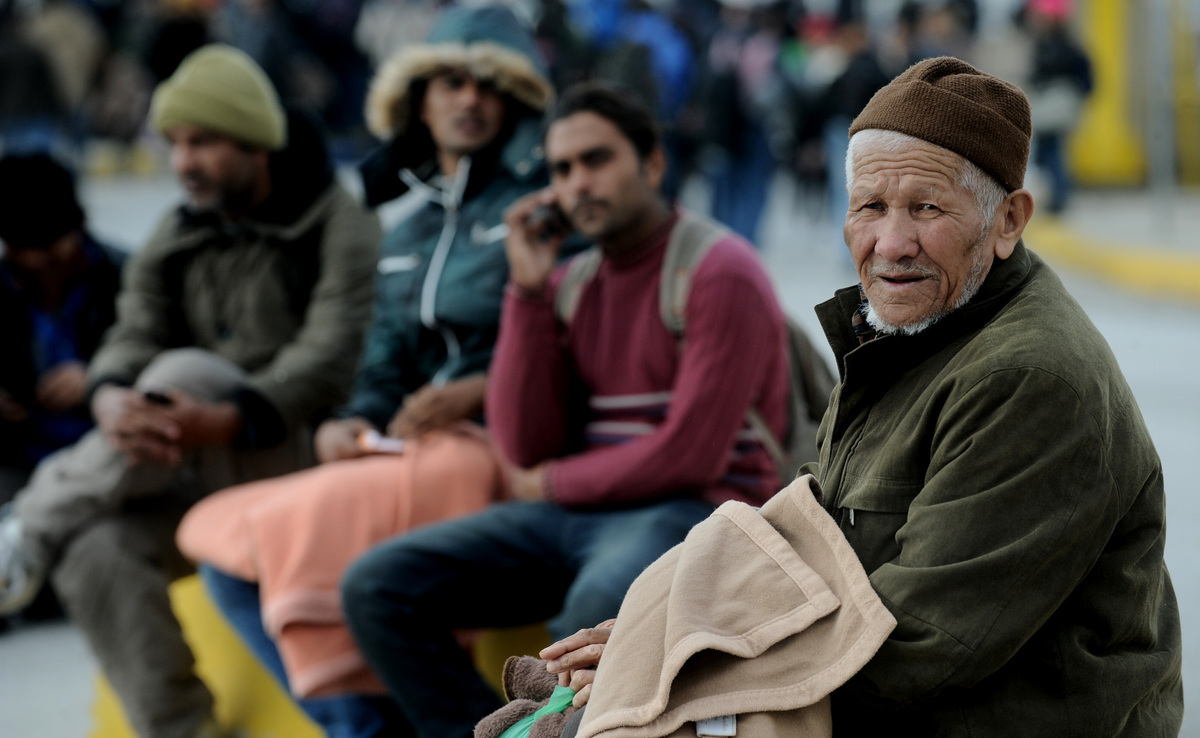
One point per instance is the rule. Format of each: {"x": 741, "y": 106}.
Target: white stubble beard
{"x": 979, "y": 269}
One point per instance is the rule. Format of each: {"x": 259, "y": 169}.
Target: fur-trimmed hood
{"x": 488, "y": 41}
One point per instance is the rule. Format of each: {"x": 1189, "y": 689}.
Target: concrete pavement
{"x": 1138, "y": 240}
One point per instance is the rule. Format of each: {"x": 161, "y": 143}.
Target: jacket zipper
{"x": 451, "y": 201}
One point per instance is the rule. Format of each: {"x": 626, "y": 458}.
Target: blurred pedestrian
{"x": 860, "y": 77}
{"x": 33, "y": 112}
{"x": 1059, "y": 83}
{"x": 741, "y": 90}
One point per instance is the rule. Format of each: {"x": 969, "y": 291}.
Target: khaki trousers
{"x": 109, "y": 529}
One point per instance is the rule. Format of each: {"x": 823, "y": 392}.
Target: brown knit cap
{"x": 951, "y": 104}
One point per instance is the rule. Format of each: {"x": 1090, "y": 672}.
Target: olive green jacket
{"x": 284, "y": 293}
{"x": 995, "y": 477}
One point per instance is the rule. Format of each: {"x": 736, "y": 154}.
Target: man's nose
{"x": 182, "y": 158}
{"x": 578, "y": 182}
{"x": 470, "y": 93}
{"x": 896, "y": 237}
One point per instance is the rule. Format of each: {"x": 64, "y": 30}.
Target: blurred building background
{"x": 76, "y": 75}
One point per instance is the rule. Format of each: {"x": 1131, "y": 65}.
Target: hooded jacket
{"x": 995, "y": 477}
{"x": 442, "y": 271}
{"x": 284, "y": 293}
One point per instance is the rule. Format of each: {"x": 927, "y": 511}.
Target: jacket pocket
{"x": 871, "y": 512}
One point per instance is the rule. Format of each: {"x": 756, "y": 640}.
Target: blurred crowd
{"x": 743, "y": 88}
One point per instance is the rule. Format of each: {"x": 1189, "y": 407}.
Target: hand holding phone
{"x": 536, "y": 230}
{"x": 548, "y": 222}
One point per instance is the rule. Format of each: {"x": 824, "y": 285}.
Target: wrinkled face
{"x": 914, "y": 234}
{"x": 216, "y": 171}
{"x": 598, "y": 179}
{"x": 463, "y": 114}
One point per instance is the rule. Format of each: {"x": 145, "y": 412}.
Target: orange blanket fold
{"x": 295, "y": 535}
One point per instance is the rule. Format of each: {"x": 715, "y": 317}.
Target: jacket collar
{"x": 519, "y": 154}
{"x": 1005, "y": 278}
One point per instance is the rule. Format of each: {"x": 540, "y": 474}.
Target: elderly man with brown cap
{"x": 238, "y": 324}
{"x": 982, "y": 452}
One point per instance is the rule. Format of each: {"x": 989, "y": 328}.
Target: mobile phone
{"x": 372, "y": 441}
{"x": 548, "y": 222}
{"x": 157, "y": 398}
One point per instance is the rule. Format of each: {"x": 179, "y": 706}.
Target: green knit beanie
{"x": 951, "y": 104}
{"x": 222, "y": 89}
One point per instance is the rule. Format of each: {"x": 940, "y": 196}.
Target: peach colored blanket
{"x": 295, "y": 535}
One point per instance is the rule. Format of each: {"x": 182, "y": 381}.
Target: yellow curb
{"x": 1142, "y": 268}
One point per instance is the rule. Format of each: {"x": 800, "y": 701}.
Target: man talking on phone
{"x": 238, "y": 323}
{"x": 621, "y": 435}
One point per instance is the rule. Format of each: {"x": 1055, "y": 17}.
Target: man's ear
{"x": 656, "y": 167}
{"x": 1013, "y": 217}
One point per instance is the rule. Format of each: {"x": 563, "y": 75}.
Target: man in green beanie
{"x": 238, "y": 324}
{"x": 983, "y": 453}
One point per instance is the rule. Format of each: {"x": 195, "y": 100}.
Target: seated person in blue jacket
{"x": 58, "y": 287}
{"x": 57, "y": 291}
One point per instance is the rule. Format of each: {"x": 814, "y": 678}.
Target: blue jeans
{"x": 340, "y": 716}
{"x": 1049, "y": 154}
{"x": 511, "y": 564}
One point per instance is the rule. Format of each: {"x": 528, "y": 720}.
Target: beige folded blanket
{"x": 759, "y": 614}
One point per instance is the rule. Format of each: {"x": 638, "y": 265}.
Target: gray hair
{"x": 987, "y": 191}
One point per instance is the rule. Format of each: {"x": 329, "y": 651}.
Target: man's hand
{"x": 149, "y": 431}
{"x": 337, "y": 439}
{"x": 430, "y": 408}
{"x": 63, "y": 387}
{"x": 575, "y": 658}
{"x": 528, "y": 484}
{"x": 532, "y": 250}
{"x": 201, "y": 424}
{"x": 135, "y": 426}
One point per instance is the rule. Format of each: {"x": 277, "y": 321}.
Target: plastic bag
{"x": 559, "y": 701}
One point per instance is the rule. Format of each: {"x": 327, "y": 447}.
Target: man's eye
{"x": 928, "y": 207}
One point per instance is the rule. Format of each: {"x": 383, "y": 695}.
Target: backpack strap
{"x": 772, "y": 445}
{"x": 692, "y": 238}
{"x": 579, "y": 272}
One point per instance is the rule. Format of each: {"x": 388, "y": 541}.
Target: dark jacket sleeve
{"x": 1018, "y": 505}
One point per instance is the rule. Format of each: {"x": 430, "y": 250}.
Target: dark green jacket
{"x": 285, "y": 294}
{"x": 997, "y": 481}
